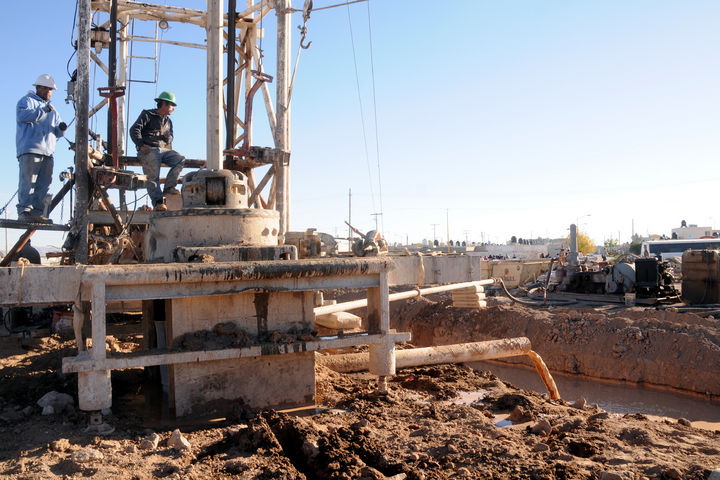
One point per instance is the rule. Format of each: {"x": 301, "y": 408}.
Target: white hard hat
{"x": 45, "y": 80}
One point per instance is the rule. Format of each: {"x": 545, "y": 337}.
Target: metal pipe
{"x": 81, "y": 130}
{"x": 230, "y": 87}
{"x": 458, "y": 353}
{"x": 282, "y": 111}
{"x": 342, "y": 307}
{"x": 112, "y": 72}
{"x": 214, "y": 84}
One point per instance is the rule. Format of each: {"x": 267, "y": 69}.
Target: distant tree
{"x": 463, "y": 244}
{"x": 635, "y": 247}
{"x": 520, "y": 241}
{"x": 610, "y": 244}
{"x": 674, "y": 235}
{"x": 585, "y": 243}
{"x": 513, "y": 239}
{"x": 436, "y": 243}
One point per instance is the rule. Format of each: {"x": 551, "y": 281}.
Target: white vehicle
{"x": 675, "y": 248}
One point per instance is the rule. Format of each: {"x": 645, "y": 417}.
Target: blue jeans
{"x": 35, "y": 177}
{"x": 151, "y": 163}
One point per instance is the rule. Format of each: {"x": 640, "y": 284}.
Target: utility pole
{"x": 350, "y": 230}
{"x": 466, "y": 236}
{"x": 434, "y": 225}
{"x": 447, "y": 223}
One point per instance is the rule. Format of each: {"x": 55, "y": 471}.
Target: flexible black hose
{"x": 532, "y": 303}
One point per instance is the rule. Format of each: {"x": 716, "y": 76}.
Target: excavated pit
{"x": 438, "y": 422}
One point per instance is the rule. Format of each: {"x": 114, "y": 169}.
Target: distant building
{"x": 693, "y": 231}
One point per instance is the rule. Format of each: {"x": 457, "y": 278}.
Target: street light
{"x": 577, "y": 220}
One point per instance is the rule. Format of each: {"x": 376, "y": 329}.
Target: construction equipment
{"x": 369, "y": 244}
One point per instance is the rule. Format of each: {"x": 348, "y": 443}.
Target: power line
{"x": 377, "y": 141}
{"x": 362, "y": 114}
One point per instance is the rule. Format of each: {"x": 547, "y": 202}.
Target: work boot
{"x": 160, "y": 206}
{"x": 171, "y": 191}
{"x": 30, "y": 218}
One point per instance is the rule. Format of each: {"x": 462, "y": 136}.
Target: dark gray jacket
{"x": 152, "y": 129}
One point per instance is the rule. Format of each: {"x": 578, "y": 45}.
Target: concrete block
{"x": 94, "y": 390}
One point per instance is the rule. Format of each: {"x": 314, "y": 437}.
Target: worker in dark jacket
{"x": 152, "y": 134}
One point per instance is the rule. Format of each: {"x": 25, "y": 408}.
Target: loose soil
{"x": 437, "y": 422}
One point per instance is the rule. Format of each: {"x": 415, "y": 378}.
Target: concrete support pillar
{"x": 382, "y": 356}
{"x": 214, "y": 84}
{"x": 80, "y": 316}
{"x": 95, "y": 388}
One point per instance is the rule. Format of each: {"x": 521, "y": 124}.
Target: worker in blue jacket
{"x": 38, "y": 128}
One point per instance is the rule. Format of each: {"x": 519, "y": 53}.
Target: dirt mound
{"x": 439, "y": 422}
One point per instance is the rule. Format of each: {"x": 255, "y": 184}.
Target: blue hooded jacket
{"x": 37, "y": 130}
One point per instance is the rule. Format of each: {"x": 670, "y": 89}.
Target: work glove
{"x": 62, "y": 126}
{"x": 48, "y": 108}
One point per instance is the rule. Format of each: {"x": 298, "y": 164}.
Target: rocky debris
{"x": 519, "y": 414}
{"x": 541, "y": 447}
{"x": 541, "y": 427}
{"x": 108, "y": 444}
{"x": 178, "y": 441}
{"x": 150, "y": 442}
{"x": 60, "y": 445}
{"x": 55, "y": 402}
{"x": 579, "y": 403}
{"x": 86, "y": 455}
{"x": 611, "y": 476}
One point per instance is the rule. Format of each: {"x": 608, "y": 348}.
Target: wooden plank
{"x": 84, "y": 363}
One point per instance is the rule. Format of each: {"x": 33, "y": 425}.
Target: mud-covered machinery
{"x": 653, "y": 278}
{"x": 646, "y": 277}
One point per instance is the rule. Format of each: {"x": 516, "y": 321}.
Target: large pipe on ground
{"x": 418, "y": 292}
{"x": 459, "y": 353}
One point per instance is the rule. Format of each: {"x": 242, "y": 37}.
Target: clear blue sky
{"x": 505, "y": 117}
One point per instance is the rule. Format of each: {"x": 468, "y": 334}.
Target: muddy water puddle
{"x": 614, "y": 397}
